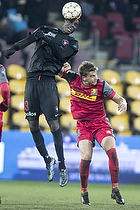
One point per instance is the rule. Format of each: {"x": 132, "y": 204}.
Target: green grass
{"x": 26, "y": 195}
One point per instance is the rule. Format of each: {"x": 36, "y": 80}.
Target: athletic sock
{"x": 58, "y": 142}
{"x": 84, "y": 174}
{"x": 113, "y": 166}
{"x": 39, "y": 142}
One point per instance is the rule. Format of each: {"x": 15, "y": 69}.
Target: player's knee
{"x": 34, "y": 126}
{"x": 54, "y": 125}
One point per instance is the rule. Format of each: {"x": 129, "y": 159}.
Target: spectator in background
{"x": 87, "y": 9}
{"x": 18, "y": 24}
{"x": 8, "y": 4}
{"x": 36, "y": 12}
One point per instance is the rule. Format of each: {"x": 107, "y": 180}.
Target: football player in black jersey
{"x": 53, "y": 48}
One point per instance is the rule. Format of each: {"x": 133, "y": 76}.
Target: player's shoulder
{"x": 2, "y": 68}
{"x": 46, "y": 28}
{"x": 73, "y": 38}
{"x": 76, "y": 77}
{"x": 100, "y": 81}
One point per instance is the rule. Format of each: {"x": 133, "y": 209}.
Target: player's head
{"x": 70, "y": 26}
{"x": 88, "y": 73}
{"x": 86, "y": 67}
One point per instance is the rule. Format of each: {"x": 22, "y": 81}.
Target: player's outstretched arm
{"x": 122, "y": 104}
{"x": 36, "y": 35}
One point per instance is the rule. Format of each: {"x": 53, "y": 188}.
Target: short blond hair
{"x": 86, "y": 67}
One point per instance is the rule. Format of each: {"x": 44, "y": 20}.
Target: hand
{"x": 66, "y": 67}
{"x": 9, "y": 52}
{"x": 122, "y": 106}
{"x": 38, "y": 34}
{"x": 3, "y": 108}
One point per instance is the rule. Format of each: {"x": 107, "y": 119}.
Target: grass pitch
{"x": 35, "y": 195}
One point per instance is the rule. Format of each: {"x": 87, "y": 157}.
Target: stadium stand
{"x": 111, "y": 76}
{"x": 135, "y": 107}
{"x": 116, "y": 23}
{"x": 63, "y": 88}
{"x": 136, "y": 125}
{"x": 65, "y": 104}
{"x": 132, "y": 77}
{"x": 17, "y": 86}
{"x": 17, "y": 102}
{"x": 19, "y": 121}
{"x": 68, "y": 123}
{"x": 118, "y": 88}
{"x": 15, "y": 71}
{"x": 133, "y": 92}
{"x": 120, "y": 123}
{"x": 112, "y": 108}
{"x": 100, "y": 23}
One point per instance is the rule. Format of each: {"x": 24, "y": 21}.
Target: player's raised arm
{"x": 37, "y": 34}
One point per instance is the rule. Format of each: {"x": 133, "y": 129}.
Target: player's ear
{"x": 83, "y": 78}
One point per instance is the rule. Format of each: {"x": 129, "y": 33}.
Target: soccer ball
{"x": 71, "y": 10}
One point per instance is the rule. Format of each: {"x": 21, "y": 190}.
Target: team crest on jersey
{"x": 56, "y": 108}
{"x": 94, "y": 92}
{"x": 65, "y": 42}
{"x": 108, "y": 132}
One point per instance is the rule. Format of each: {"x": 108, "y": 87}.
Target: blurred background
{"x": 108, "y": 35}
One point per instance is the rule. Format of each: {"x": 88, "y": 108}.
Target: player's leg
{"x": 85, "y": 143}
{"x": 105, "y": 137}
{"x": 58, "y": 142}
{"x": 50, "y": 108}
{"x": 32, "y": 111}
{"x": 85, "y": 147}
{"x": 108, "y": 144}
{"x": 40, "y": 145}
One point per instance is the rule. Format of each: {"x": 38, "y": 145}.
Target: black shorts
{"x": 41, "y": 96}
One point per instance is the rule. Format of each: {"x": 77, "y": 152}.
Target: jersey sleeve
{"x": 3, "y": 77}
{"x": 5, "y": 90}
{"x": 64, "y": 51}
{"x": 108, "y": 91}
{"x": 69, "y": 76}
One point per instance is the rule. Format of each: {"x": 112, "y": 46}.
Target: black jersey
{"x": 48, "y": 58}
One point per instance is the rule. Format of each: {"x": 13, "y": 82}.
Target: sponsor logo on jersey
{"x": 30, "y": 114}
{"x": 51, "y": 34}
{"x": 65, "y": 42}
{"x": 84, "y": 95}
{"x": 56, "y": 115}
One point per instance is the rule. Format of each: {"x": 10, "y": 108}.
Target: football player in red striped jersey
{"x": 87, "y": 107}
